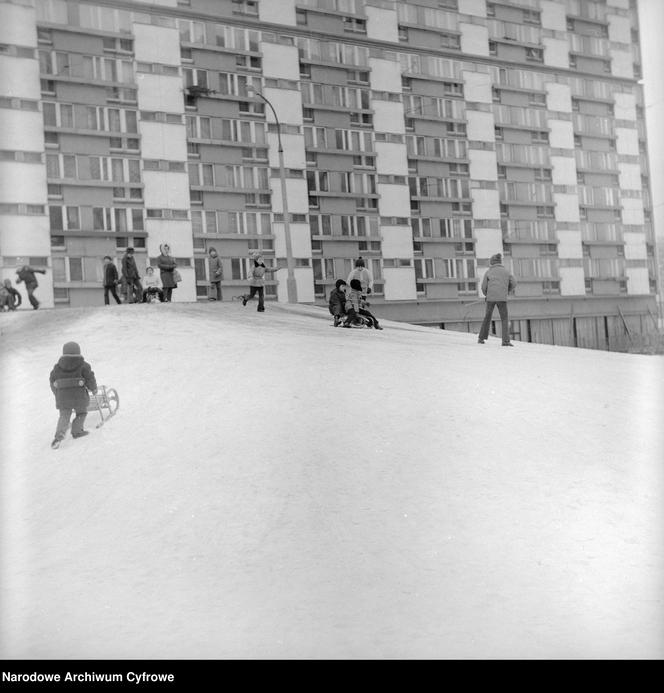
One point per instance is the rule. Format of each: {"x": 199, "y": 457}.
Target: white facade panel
{"x": 635, "y": 246}
{"x": 563, "y": 170}
{"x": 280, "y": 61}
{"x": 25, "y": 236}
{"x": 572, "y": 281}
{"x": 483, "y": 164}
{"x": 297, "y": 196}
{"x": 627, "y": 141}
{"x": 388, "y": 117}
{"x": 287, "y": 103}
{"x": 474, "y": 39}
{"x": 480, "y": 126}
{"x": 160, "y": 93}
{"x": 156, "y": 44}
{"x": 399, "y": 284}
{"x": 567, "y": 206}
{"x": 632, "y": 211}
{"x": 21, "y": 182}
{"x": 176, "y": 233}
{"x": 394, "y": 200}
{"x": 629, "y": 176}
{"x": 17, "y": 25}
{"x": 569, "y": 244}
{"x": 489, "y": 242}
{"x": 166, "y": 190}
{"x": 622, "y": 4}
{"x": 163, "y": 141}
{"x": 304, "y": 282}
{"x": 556, "y": 52}
{"x": 385, "y": 75}
{"x": 486, "y": 203}
{"x": 294, "y": 152}
{"x": 477, "y": 87}
{"x": 558, "y": 97}
{"x": 19, "y": 77}
{"x": 625, "y": 106}
{"x": 474, "y": 7}
{"x": 561, "y": 134}
{"x": 21, "y": 130}
{"x": 620, "y": 28}
{"x": 397, "y": 241}
{"x": 391, "y": 158}
{"x": 622, "y": 64}
{"x": 382, "y": 24}
{"x": 300, "y": 239}
{"x": 638, "y": 282}
{"x": 282, "y": 12}
{"x": 553, "y": 16}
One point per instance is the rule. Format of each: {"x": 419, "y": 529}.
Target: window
{"x": 245, "y": 7}
{"x": 301, "y": 17}
{"x": 403, "y": 33}
{"x": 493, "y": 48}
{"x": 535, "y": 55}
{"x": 358, "y": 26}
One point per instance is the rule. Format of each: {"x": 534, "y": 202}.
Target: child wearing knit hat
{"x": 70, "y": 380}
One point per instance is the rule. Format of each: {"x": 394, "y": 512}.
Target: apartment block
{"x": 424, "y": 136}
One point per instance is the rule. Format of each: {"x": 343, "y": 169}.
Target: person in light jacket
{"x": 497, "y": 284}
{"x": 167, "y": 265}
{"x": 257, "y": 281}
{"x": 361, "y": 273}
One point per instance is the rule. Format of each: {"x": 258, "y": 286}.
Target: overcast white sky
{"x": 651, "y": 19}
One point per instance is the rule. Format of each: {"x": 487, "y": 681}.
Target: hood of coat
{"x": 165, "y": 249}
{"x": 70, "y": 362}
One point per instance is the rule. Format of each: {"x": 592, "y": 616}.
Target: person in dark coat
{"x": 110, "y": 280}
{"x": 497, "y": 283}
{"x": 216, "y": 274}
{"x": 337, "y": 302}
{"x": 131, "y": 277}
{"x": 26, "y": 275}
{"x": 167, "y": 266}
{"x": 15, "y": 298}
{"x": 70, "y": 380}
{"x": 257, "y": 281}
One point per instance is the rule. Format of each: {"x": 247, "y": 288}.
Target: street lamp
{"x": 291, "y": 284}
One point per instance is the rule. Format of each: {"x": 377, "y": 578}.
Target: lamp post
{"x": 291, "y": 284}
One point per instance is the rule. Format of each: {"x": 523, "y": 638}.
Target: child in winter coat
{"x": 110, "y": 280}
{"x": 216, "y": 273}
{"x": 257, "y": 281}
{"x": 15, "y": 299}
{"x": 151, "y": 285}
{"x": 359, "y": 302}
{"x": 26, "y": 274}
{"x": 70, "y": 380}
{"x": 337, "y": 302}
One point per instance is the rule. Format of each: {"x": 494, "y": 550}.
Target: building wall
{"x": 423, "y": 136}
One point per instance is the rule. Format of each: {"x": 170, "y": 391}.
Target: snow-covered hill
{"x": 274, "y": 487}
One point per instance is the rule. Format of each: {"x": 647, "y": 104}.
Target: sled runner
{"x": 106, "y": 398}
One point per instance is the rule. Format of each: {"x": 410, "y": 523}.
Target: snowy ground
{"x": 275, "y": 488}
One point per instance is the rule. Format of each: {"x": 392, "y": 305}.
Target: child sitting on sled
{"x": 359, "y": 303}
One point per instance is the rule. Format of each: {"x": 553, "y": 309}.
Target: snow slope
{"x": 276, "y": 488}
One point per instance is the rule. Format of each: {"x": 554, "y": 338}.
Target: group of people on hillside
{"x": 130, "y": 280}
{"x": 348, "y": 300}
{"x": 10, "y": 298}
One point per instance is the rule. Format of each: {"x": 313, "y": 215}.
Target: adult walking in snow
{"x": 26, "y": 274}
{"x": 362, "y": 273}
{"x": 216, "y": 274}
{"x": 110, "y": 280}
{"x": 71, "y": 378}
{"x": 131, "y": 277}
{"x": 167, "y": 265}
{"x": 257, "y": 281}
{"x": 497, "y": 283}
